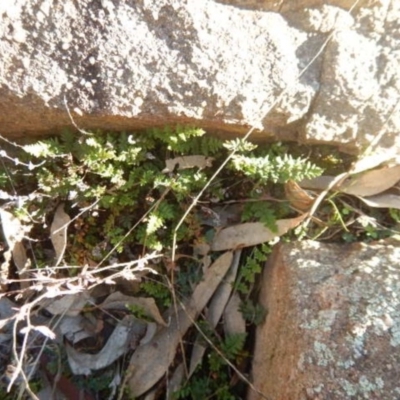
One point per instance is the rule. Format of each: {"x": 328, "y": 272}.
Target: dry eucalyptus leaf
{"x": 72, "y": 328}
{"x": 251, "y": 234}
{"x": 117, "y": 345}
{"x": 118, "y": 300}
{"x": 20, "y": 258}
{"x": 12, "y": 228}
{"x": 69, "y": 304}
{"x": 233, "y": 319}
{"x": 216, "y": 309}
{"x": 371, "y": 182}
{"x": 186, "y": 162}
{"x": 384, "y": 200}
{"x": 318, "y": 183}
{"x": 372, "y": 161}
{"x": 151, "y": 330}
{"x": 14, "y": 233}
{"x": 58, "y": 231}
{"x": 151, "y": 361}
{"x": 175, "y": 381}
{"x": 298, "y": 197}
{"x": 222, "y": 294}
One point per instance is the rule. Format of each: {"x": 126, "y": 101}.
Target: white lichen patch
{"x": 324, "y": 322}
{"x": 349, "y": 316}
{"x": 363, "y": 387}
{"x": 323, "y": 354}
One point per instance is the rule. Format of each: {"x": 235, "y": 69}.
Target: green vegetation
{"x": 126, "y": 193}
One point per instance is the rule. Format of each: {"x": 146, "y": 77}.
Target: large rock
{"x": 333, "y": 324}
{"x": 218, "y": 64}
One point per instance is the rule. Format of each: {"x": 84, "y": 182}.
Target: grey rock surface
{"x": 222, "y": 65}
{"x": 333, "y": 324}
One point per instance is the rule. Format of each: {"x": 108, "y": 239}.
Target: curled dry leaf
{"x": 372, "y": 182}
{"x": 365, "y": 184}
{"x": 151, "y": 361}
{"x": 186, "y": 162}
{"x": 372, "y": 161}
{"x": 150, "y": 332}
{"x": 298, "y": 197}
{"x": 58, "y": 232}
{"x": 384, "y": 200}
{"x": 118, "y": 344}
{"x": 251, "y": 234}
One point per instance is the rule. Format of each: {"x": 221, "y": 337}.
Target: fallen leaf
{"x": 298, "y": 197}
{"x": 91, "y": 323}
{"x": 69, "y": 304}
{"x": 175, "y": 382}
{"x": 152, "y": 360}
{"x": 318, "y": 183}
{"x": 58, "y": 232}
{"x": 251, "y": 234}
{"x": 115, "y": 384}
{"x": 14, "y": 233}
{"x": 117, "y": 345}
{"x": 150, "y": 332}
{"x": 384, "y": 200}
{"x": 118, "y": 300}
{"x": 223, "y": 292}
{"x": 72, "y": 328}
{"x": 372, "y": 161}
{"x": 371, "y": 182}
{"x": 186, "y": 162}
{"x": 216, "y": 309}
{"x": 233, "y": 319}
{"x": 20, "y": 259}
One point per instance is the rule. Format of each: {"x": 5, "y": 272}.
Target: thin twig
{"x": 72, "y": 120}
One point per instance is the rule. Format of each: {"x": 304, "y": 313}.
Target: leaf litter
{"x": 151, "y": 361}
{"x": 252, "y": 234}
{"x": 216, "y": 309}
{"x": 14, "y": 233}
{"x": 155, "y": 340}
{"x": 58, "y": 231}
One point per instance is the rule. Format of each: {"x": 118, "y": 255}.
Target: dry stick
{"x": 248, "y": 134}
{"x": 72, "y": 120}
{"x": 83, "y": 210}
